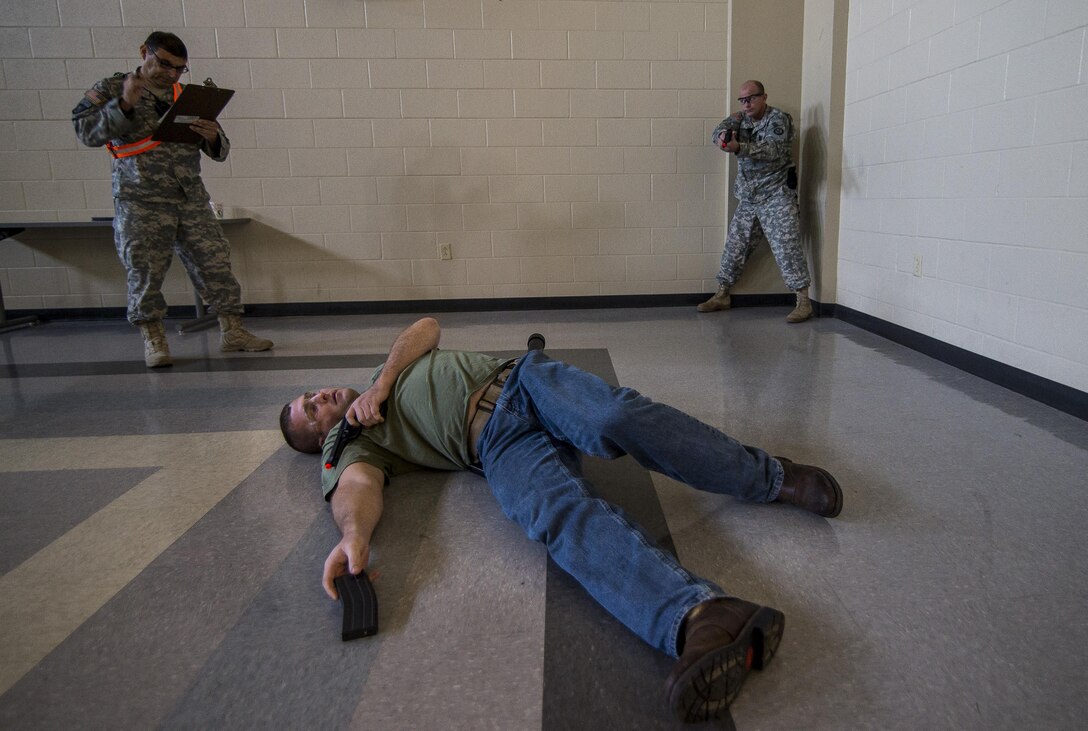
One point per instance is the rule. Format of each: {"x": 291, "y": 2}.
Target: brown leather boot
{"x": 722, "y": 640}
{"x": 811, "y": 488}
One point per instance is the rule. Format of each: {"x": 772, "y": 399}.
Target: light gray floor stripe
{"x": 128, "y": 664}
{"x": 36, "y": 508}
{"x": 94, "y": 560}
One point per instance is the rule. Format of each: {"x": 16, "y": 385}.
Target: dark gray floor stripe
{"x": 252, "y": 363}
{"x": 197, "y": 365}
{"x": 243, "y": 682}
{"x": 127, "y": 665}
{"x": 288, "y": 637}
{"x": 615, "y": 677}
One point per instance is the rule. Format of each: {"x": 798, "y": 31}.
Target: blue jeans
{"x": 548, "y": 414}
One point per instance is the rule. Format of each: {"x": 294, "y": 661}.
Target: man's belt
{"x": 484, "y": 408}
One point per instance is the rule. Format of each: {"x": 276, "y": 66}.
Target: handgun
{"x": 348, "y": 431}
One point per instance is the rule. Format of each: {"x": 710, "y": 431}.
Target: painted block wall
{"x": 965, "y": 176}
{"x": 558, "y": 146}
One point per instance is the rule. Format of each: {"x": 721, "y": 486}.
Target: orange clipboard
{"x": 195, "y": 102}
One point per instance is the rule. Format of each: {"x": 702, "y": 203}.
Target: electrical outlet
{"x": 445, "y": 251}
{"x": 917, "y": 265}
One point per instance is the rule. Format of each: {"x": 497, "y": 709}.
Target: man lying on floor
{"x": 525, "y": 424}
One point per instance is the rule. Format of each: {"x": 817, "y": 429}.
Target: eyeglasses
{"x": 750, "y": 97}
{"x": 166, "y": 65}
{"x": 309, "y": 408}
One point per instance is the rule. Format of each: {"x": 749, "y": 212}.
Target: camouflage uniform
{"x": 160, "y": 202}
{"x": 768, "y": 207}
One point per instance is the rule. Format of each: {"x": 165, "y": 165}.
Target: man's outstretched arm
{"x": 356, "y": 508}
{"x": 418, "y": 339}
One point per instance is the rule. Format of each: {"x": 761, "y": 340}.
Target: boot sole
{"x": 231, "y": 348}
{"x": 706, "y": 689}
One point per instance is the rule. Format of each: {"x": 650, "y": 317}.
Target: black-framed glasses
{"x": 309, "y": 408}
{"x": 741, "y": 99}
{"x": 166, "y": 65}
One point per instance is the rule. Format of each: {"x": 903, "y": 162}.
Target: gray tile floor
{"x": 160, "y": 550}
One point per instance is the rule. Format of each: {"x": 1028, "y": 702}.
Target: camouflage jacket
{"x": 764, "y": 154}
{"x": 169, "y": 173}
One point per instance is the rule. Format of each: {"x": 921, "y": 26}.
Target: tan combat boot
{"x": 718, "y": 301}
{"x": 803, "y": 310}
{"x": 234, "y": 337}
{"x": 156, "y": 349}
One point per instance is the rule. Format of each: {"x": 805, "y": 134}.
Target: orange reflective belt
{"x": 135, "y": 148}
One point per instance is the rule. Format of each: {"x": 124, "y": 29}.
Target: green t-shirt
{"x": 426, "y": 423}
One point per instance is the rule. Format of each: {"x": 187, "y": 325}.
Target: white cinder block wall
{"x": 965, "y": 181}
{"x": 558, "y": 146}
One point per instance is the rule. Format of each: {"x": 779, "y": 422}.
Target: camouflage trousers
{"x": 148, "y": 234}
{"x": 776, "y": 220}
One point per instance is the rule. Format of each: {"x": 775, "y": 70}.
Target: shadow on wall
{"x": 285, "y": 266}
{"x": 812, "y": 186}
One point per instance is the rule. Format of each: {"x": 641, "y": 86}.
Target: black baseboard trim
{"x": 1053, "y": 394}
{"x": 382, "y": 307}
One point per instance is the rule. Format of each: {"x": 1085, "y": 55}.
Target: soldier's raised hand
{"x": 132, "y": 90}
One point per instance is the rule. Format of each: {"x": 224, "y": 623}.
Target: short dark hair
{"x": 302, "y": 443}
{"x": 757, "y": 83}
{"x": 169, "y": 43}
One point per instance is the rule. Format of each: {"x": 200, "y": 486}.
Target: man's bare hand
{"x": 367, "y": 409}
{"x": 350, "y": 555}
{"x": 206, "y": 128}
{"x": 731, "y": 146}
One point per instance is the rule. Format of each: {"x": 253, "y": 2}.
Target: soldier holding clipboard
{"x": 155, "y": 129}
